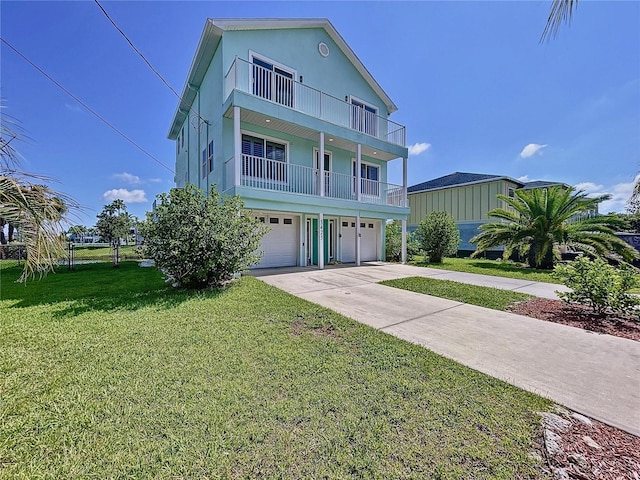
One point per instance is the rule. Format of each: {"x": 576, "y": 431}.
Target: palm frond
{"x": 561, "y": 12}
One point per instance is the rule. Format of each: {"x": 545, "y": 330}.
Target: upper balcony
{"x": 282, "y": 89}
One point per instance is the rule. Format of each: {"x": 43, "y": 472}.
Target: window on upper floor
{"x": 182, "y": 138}
{"x": 203, "y": 165}
{"x": 272, "y": 81}
{"x": 510, "y": 192}
{"x": 210, "y": 157}
{"x": 364, "y": 117}
{"x": 369, "y": 179}
{"x": 264, "y": 159}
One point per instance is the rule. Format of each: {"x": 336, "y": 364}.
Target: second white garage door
{"x": 280, "y": 245}
{"x": 369, "y": 242}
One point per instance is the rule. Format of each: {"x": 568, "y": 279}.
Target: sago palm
{"x": 542, "y": 219}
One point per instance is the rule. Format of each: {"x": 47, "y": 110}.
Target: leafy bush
{"x": 200, "y": 241}
{"x": 393, "y": 243}
{"x": 598, "y": 285}
{"x": 438, "y": 235}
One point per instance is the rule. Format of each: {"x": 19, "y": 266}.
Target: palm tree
{"x": 34, "y": 210}
{"x": 561, "y": 12}
{"x": 541, "y": 219}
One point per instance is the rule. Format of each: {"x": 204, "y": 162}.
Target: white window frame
{"x": 267, "y": 138}
{"x": 355, "y": 177}
{"x": 327, "y": 181}
{"x": 281, "y": 66}
{"x": 362, "y": 128}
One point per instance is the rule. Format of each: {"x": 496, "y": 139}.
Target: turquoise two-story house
{"x": 284, "y": 114}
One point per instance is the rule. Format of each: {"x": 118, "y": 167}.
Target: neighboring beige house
{"x": 467, "y": 197}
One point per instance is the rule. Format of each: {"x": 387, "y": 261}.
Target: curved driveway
{"x": 596, "y": 375}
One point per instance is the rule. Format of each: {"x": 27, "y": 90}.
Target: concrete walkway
{"x": 596, "y": 375}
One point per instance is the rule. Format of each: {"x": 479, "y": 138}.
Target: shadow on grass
{"x": 94, "y": 287}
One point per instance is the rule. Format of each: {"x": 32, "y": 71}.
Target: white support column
{"x": 404, "y": 222}
{"x": 237, "y": 147}
{"x": 321, "y": 241}
{"x": 358, "y": 235}
{"x": 303, "y": 241}
{"x": 321, "y": 164}
{"x": 404, "y": 180}
{"x": 404, "y": 241}
{"x": 358, "y": 173}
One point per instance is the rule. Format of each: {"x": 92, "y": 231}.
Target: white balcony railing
{"x": 284, "y": 90}
{"x": 266, "y": 174}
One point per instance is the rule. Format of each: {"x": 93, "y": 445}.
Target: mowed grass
{"x": 488, "y": 297}
{"x": 497, "y": 268}
{"x": 88, "y": 252}
{"x": 110, "y": 373}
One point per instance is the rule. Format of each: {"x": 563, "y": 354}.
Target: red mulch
{"x": 557, "y": 311}
{"x": 619, "y": 455}
{"x": 614, "y": 456}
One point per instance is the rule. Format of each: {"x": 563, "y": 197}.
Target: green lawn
{"x": 490, "y": 267}
{"x": 461, "y": 292}
{"x": 88, "y": 252}
{"x": 109, "y": 373}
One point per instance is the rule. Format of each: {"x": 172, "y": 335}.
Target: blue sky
{"x": 475, "y": 88}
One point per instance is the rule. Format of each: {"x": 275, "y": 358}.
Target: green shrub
{"x": 438, "y": 235}
{"x": 393, "y": 243}
{"x": 598, "y": 285}
{"x": 200, "y": 241}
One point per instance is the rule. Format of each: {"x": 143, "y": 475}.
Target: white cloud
{"x": 531, "y": 150}
{"x": 589, "y": 187}
{"x": 523, "y": 178}
{"x": 128, "y": 178}
{"x": 418, "y": 148}
{"x": 72, "y": 107}
{"x": 620, "y": 193}
{"x": 128, "y": 196}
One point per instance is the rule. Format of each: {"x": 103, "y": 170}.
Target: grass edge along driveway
{"x": 110, "y": 373}
{"x": 488, "y": 297}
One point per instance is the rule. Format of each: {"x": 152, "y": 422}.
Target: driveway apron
{"x": 596, "y": 375}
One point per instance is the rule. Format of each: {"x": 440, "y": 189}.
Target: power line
{"x": 115, "y": 25}
{"x": 110, "y": 125}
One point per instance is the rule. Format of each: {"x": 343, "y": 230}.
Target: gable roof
{"x": 458, "y": 179}
{"x": 214, "y": 28}
{"x": 542, "y": 184}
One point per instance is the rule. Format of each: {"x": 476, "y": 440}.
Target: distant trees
{"x": 36, "y": 211}
{"x": 537, "y": 221}
{"x": 114, "y": 222}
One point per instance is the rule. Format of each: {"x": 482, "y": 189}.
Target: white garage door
{"x": 369, "y": 241}
{"x": 280, "y": 245}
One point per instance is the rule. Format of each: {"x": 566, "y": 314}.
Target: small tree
{"x": 113, "y": 222}
{"x": 598, "y": 285}
{"x": 200, "y": 241}
{"x": 393, "y": 243}
{"x": 438, "y": 236}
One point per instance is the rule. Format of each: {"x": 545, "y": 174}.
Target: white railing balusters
{"x": 267, "y": 174}
{"x": 275, "y": 87}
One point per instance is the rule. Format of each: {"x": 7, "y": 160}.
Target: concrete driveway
{"x": 597, "y": 375}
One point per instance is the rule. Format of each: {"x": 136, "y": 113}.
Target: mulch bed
{"x": 557, "y": 311}
{"x": 589, "y": 450}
